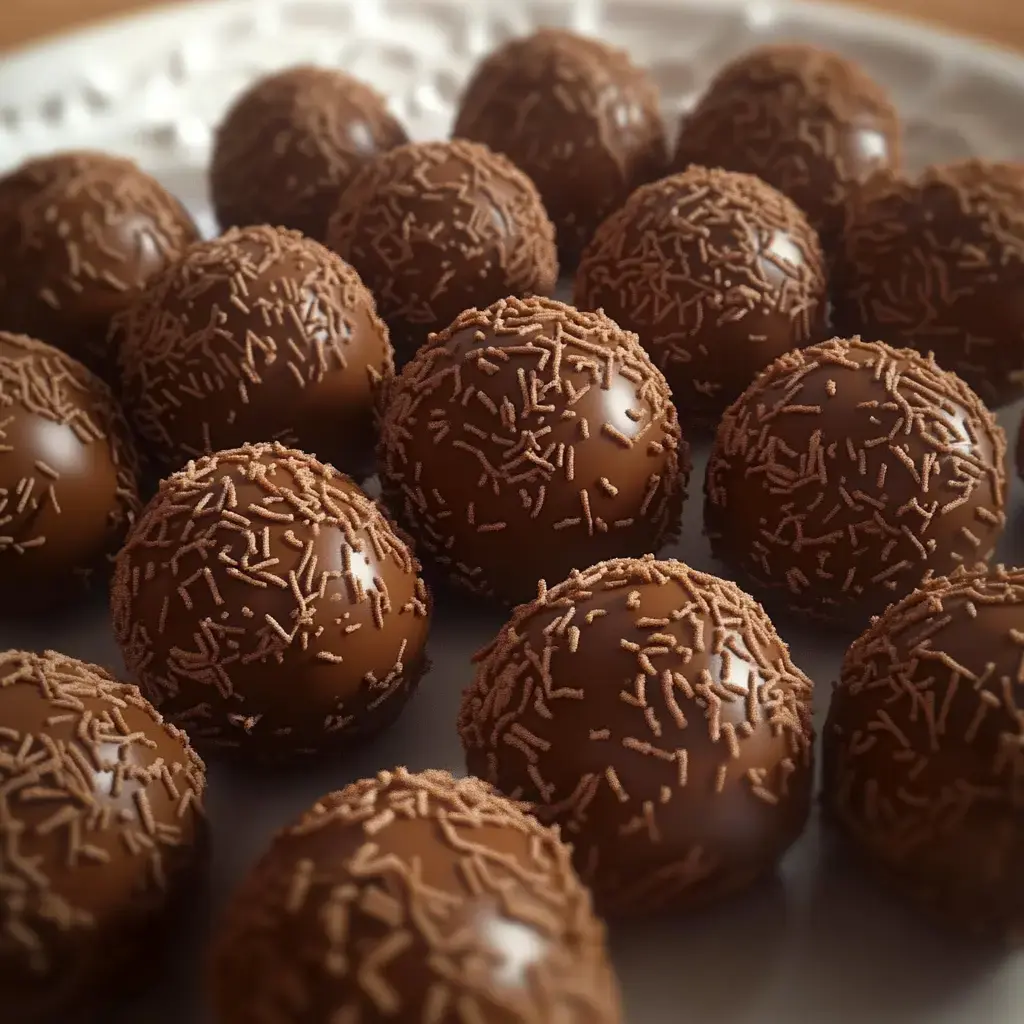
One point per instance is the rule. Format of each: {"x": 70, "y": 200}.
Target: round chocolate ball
{"x": 103, "y": 829}
{"x": 258, "y": 335}
{"x": 922, "y": 750}
{"x": 530, "y": 438}
{"x": 578, "y": 116}
{"x": 266, "y": 606}
{"x": 808, "y": 122}
{"x": 291, "y": 143}
{"x": 68, "y": 476}
{"x": 408, "y": 898}
{"x": 717, "y": 273}
{"x": 82, "y": 234}
{"x": 653, "y": 712}
{"x": 937, "y": 264}
{"x": 436, "y": 227}
{"x": 848, "y": 473}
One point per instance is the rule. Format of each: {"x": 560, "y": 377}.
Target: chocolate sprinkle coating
{"x": 82, "y": 234}
{"x": 292, "y": 143}
{"x": 529, "y": 438}
{"x": 267, "y": 606}
{"x": 937, "y": 264}
{"x": 411, "y": 898}
{"x": 808, "y": 122}
{"x": 436, "y": 227}
{"x": 850, "y": 472}
{"x": 259, "y": 335}
{"x": 653, "y": 712}
{"x": 717, "y": 273}
{"x": 578, "y": 116}
{"x": 101, "y": 830}
{"x": 924, "y": 750}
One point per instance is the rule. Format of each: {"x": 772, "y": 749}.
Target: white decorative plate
{"x": 822, "y": 946}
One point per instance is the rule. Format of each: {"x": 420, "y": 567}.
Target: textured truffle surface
{"x": 528, "y": 439}
{"x": 266, "y": 605}
{"x": 654, "y": 713}
{"x": 412, "y": 898}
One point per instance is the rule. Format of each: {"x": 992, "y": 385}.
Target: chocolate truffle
{"x": 102, "y": 825}
{"x": 68, "y": 476}
{"x": 578, "y": 116}
{"x": 435, "y": 227}
{"x": 81, "y": 235}
{"x": 411, "y": 898}
{"x": 267, "y": 606}
{"x": 849, "y": 472}
{"x": 653, "y": 712}
{"x": 808, "y": 122}
{"x": 937, "y": 264}
{"x": 923, "y": 749}
{"x": 291, "y": 143}
{"x": 260, "y": 335}
{"x": 530, "y": 438}
{"x": 717, "y": 273}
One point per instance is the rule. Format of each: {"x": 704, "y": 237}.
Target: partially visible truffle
{"x": 578, "y": 116}
{"x": 291, "y": 144}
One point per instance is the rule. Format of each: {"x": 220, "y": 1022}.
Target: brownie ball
{"x": 266, "y": 605}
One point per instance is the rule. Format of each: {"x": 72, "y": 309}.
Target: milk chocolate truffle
{"x": 808, "y": 122}
{"x": 68, "y": 476}
{"x": 653, "y": 712}
{"x": 410, "y": 898}
{"x": 578, "y": 116}
{"x": 436, "y": 227}
{"x": 923, "y": 750}
{"x": 266, "y": 606}
{"x": 291, "y": 144}
{"x": 937, "y": 264}
{"x": 81, "y": 235}
{"x": 848, "y": 473}
{"x": 260, "y": 335}
{"x": 530, "y": 438}
{"x": 102, "y": 826}
{"x": 717, "y": 273}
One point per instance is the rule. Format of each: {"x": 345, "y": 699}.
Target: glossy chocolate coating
{"x": 528, "y": 439}
{"x": 849, "y": 472}
{"x": 717, "y": 273}
{"x": 578, "y": 116}
{"x": 259, "y": 335}
{"x": 924, "y": 750}
{"x": 408, "y": 898}
{"x": 292, "y": 143}
{"x": 437, "y": 227}
{"x": 101, "y": 827}
{"x": 267, "y": 607}
{"x": 81, "y": 235}
{"x": 652, "y": 712}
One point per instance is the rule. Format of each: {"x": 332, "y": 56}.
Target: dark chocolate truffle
{"x": 267, "y": 606}
{"x": 653, "y": 712}
{"x": 528, "y": 439}
{"x": 923, "y": 750}
{"x": 101, "y": 831}
{"x": 81, "y": 236}
{"x": 436, "y": 227}
{"x": 717, "y": 273}
{"x": 849, "y": 472}
{"x": 413, "y": 898}
{"x": 578, "y": 116}
{"x": 291, "y": 143}
{"x": 808, "y": 122}
{"x": 938, "y": 265}
{"x": 260, "y": 335}
{"x": 68, "y": 476}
